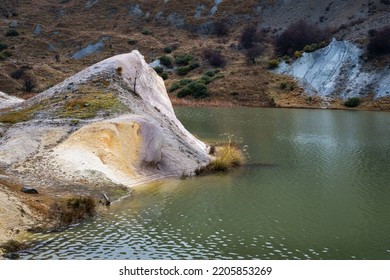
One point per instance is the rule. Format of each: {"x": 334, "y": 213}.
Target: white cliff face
{"x": 8, "y": 101}
{"x": 336, "y": 71}
{"x": 145, "y": 142}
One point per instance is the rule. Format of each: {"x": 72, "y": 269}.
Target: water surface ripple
{"x": 316, "y": 187}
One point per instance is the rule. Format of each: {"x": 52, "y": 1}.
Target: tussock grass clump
{"x": 226, "y": 157}
{"x": 229, "y": 154}
{"x": 11, "y": 249}
{"x": 13, "y": 246}
{"x": 73, "y": 210}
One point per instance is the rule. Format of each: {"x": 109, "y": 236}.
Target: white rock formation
{"x": 336, "y": 71}
{"x": 147, "y": 142}
{"x": 8, "y": 101}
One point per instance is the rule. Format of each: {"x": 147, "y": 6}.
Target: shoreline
{"x": 210, "y": 103}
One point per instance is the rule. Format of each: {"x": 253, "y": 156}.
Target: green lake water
{"x": 316, "y": 186}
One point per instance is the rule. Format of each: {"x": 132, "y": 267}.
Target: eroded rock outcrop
{"x": 337, "y": 71}
{"x": 8, "y": 101}
{"x": 112, "y": 122}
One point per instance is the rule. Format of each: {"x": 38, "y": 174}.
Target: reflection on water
{"x": 316, "y": 187}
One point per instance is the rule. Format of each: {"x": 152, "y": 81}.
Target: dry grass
{"x": 231, "y": 153}
{"x": 227, "y": 157}
{"x": 73, "y": 210}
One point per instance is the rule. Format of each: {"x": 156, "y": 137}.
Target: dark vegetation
{"x": 221, "y": 29}
{"x": 214, "y": 58}
{"x": 352, "y": 102}
{"x": 3, "y": 46}
{"x": 195, "y": 89}
{"x": 166, "y": 61}
{"x": 28, "y": 84}
{"x": 12, "y": 33}
{"x": 297, "y": 36}
{"x": 252, "y": 41}
{"x": 379, "y": 42}
{"x": 11, "y": 248}
{"x": 73, "y": 210}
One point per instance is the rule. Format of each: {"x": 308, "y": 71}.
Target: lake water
{"x": 316, "y": 186}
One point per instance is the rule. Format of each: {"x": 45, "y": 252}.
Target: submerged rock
{"x": 112, "y": 122}
{"x": 337, "y": 70}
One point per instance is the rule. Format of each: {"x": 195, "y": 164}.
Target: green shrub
{"x": 273, "y": 64}
{"x": 175, "y": 86}
{"x": 193, "y": 66}
{"x": 209, "y": 73}
{"x": 185, "y": 82}
{"x": 5, "y": 54}
{"x": 183, "y": 59}
{"x": 205, "y": 79}
{"x": 195, "y": 89}
{"x": 146, "y": 32}
{"x": 132, "y": 42}
{"x": 184, "y": 92}
{"x": 198, "y": 90}
{"x": 163, "y": 75}
{"x": 314, "y": 47}
{"x": 182, "y": 71}
{"x": 283, "y": 85}
{"x": 352, "y": 102}
{"x": 12, "y": 33}
{"x": 167, "y": 49}
{"x": 166, "y": 61}
{"x": 3, "y": 46}
{"x": 298, "y": 54}
{"x": 159, "y": 69}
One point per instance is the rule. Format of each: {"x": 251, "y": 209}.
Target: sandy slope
{"x": 15, "y": 216}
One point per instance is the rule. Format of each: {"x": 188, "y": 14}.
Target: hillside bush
{"x": 17, "y": 74}
{"x": 273, "y": 64}
{"x": 182, "y": 71}
{"x": 5, "y": 54}
{"x": 147, "y": 32}
{"x": 221, "y": 29}
{"x": 195, "y": 89}
{"x": 132, "y": 42}
{"x": 247, "y": 38}
{"x": 167, "y": 49}
{"x": 352, "y": 102}
{"x": 297, "y": 36}
{"x": 379, "y": 43}
{"x": 166, "y": 61}
{"x": 254, "y": 52}
{"x": 214, "y": 58}
{"x": 28, "y": 84}
{"x": 3, "y": 46}
{"x": 12, "y": 33}
{"x": 183, "y": 59}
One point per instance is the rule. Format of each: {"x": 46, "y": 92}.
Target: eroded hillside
{"x": 58, "y": 38}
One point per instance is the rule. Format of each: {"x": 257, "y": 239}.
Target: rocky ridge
{"x": 113, "y": 120}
